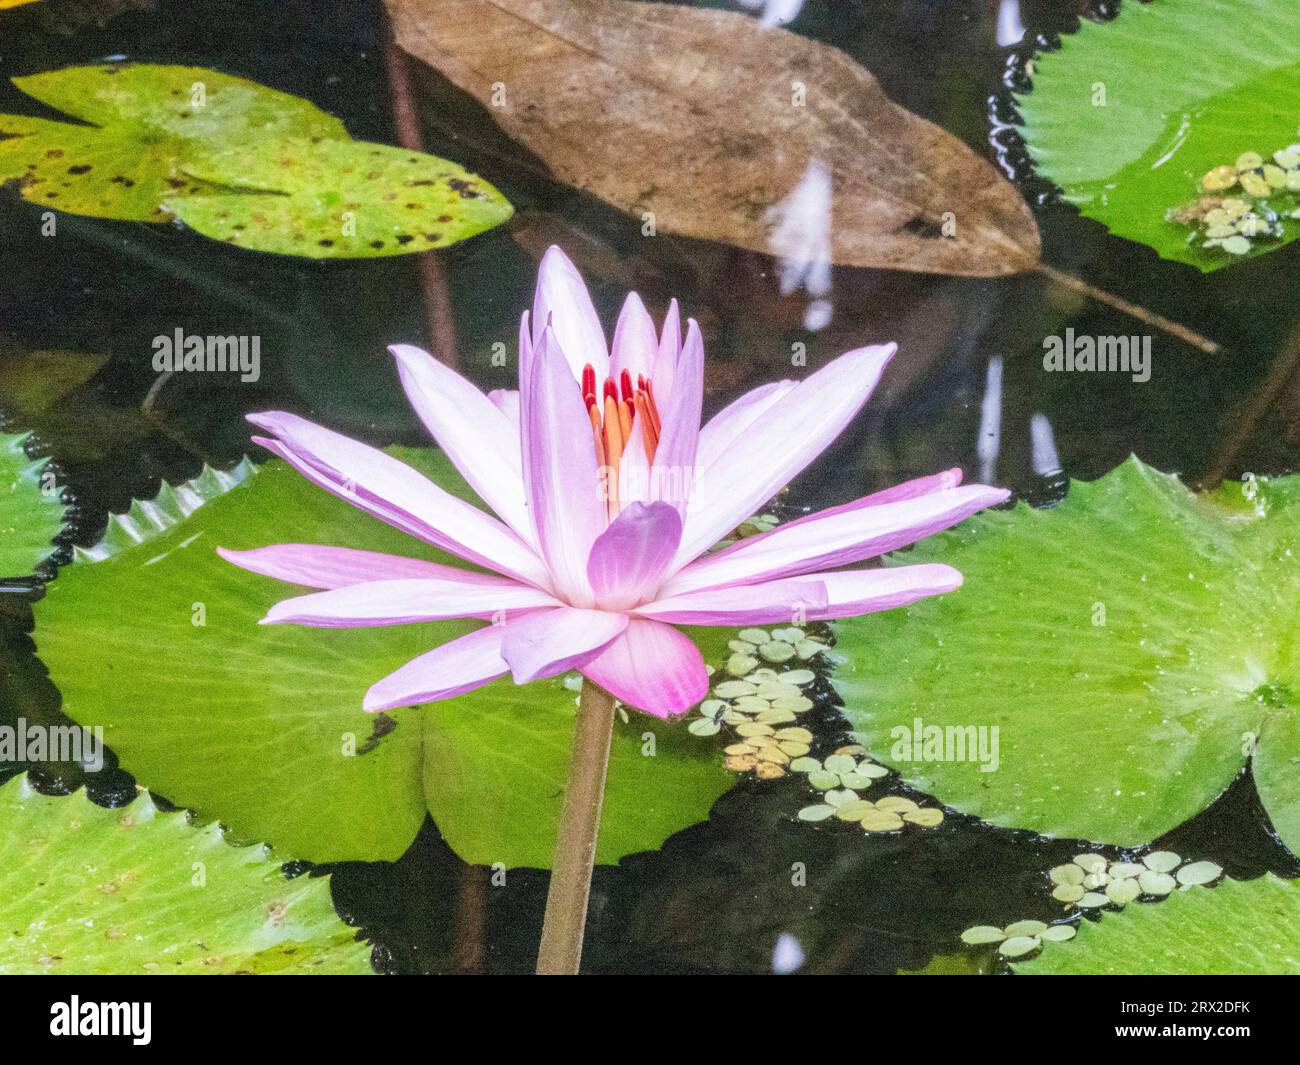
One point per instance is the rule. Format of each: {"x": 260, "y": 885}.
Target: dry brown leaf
{"x": 690, "y": 114}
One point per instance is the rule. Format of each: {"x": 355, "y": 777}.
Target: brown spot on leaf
{"x": 464, "y": 189}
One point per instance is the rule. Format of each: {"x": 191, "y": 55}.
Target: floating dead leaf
{"x": 713, "y": 124}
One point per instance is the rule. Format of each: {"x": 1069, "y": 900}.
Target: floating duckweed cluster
{"x": 777, "y": 647}
{"x": 841, "y": 776}
{"x": 759, "y": 704}
{"x": 1090, "y": 882}
{"x": 1232, "y": 222}
{"x": 1020, "y": 938}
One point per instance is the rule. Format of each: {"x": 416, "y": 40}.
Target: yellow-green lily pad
{"x": 332, "y": 199}
{"x": 143, "y": 119}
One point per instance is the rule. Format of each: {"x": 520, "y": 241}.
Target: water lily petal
{"x": 730, "y": 423}
{"x": 560, "y": 475}
{"x": 634, "y": 483}
{"x": 839, "y": 537}
{"x": 918, "y": 486}
{"x": 443, "y": 673}
{"x": 320, "y": 566}
{"x": 669, "y": 351}
{"x": 747, "y": 474}
{"x": 562, "y": 301}
{"x": 750, "y": 604}
{"x": 525, "y": 352}
{"x": 651, "y": 667}
{"x": 629, "y": 558}
{"x": 405, "y": 602}
{"x": 854, "y": 592}
{"x": 635, "y": 344}
{"x": 477, "y": 437}
{"x": 394, "y": 492}
{"x": 674, "y": 474}
{"x": 506, "y": 400}
{"x": 549, "y": 642}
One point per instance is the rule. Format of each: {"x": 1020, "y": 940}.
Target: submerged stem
{"x": 575, "y": 846}
{"x": 1157, "y": 321}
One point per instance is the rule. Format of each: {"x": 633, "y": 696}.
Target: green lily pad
{"x": 1240, "y": 928}
{"x": 337, "y": 199}
{"x": 1134, "y": 647}
{"x": 1128, "y": 116}
{"x": 144, "y": 121}
{"x": 87, "y": 891}
{"x": 262, "y": 726}
{"x": 31, "y": 510}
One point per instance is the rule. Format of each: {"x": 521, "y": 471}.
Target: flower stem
{"x": 575, "y": 846}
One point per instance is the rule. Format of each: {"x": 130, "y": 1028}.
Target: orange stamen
{"x": 613, "y": 453}
{"x": 652, "y": 408}
{"x": 625, "y": 413}
{"x": 620, "y": 408}
{"x": 648, "y": 433}
{"x": 614, "y": 442}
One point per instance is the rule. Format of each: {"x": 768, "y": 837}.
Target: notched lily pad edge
{"x": 27, "y": 447}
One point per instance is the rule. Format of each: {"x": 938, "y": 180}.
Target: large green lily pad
{"x": 144, "y": 121}
{"x": 1249, "y": 928}
{"x": 87, "y": 890}
{"x": 1128, "y": 116}
{"x": 1134, "y": 648}
{"x": 31, "y": 514}
{"x": 262, "y": 726}
{"x": 338, "y": 198}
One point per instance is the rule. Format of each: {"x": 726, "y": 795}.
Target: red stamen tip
{"x": 625, "y": 379}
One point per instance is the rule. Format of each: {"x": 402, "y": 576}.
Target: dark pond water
{"x": 717, "y": 897}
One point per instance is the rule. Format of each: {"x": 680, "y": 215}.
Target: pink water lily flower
{"x": 609, "y": 496}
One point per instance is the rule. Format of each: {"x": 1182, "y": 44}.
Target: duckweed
{"x": 1198, "y": 873}
{"x": 1090, "y": 882}
{"x": 1018, "y": 939}
{"x": 842, "y": 775}
{"x": 1232, "y": 223}
{"x": 761, "y": 704}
